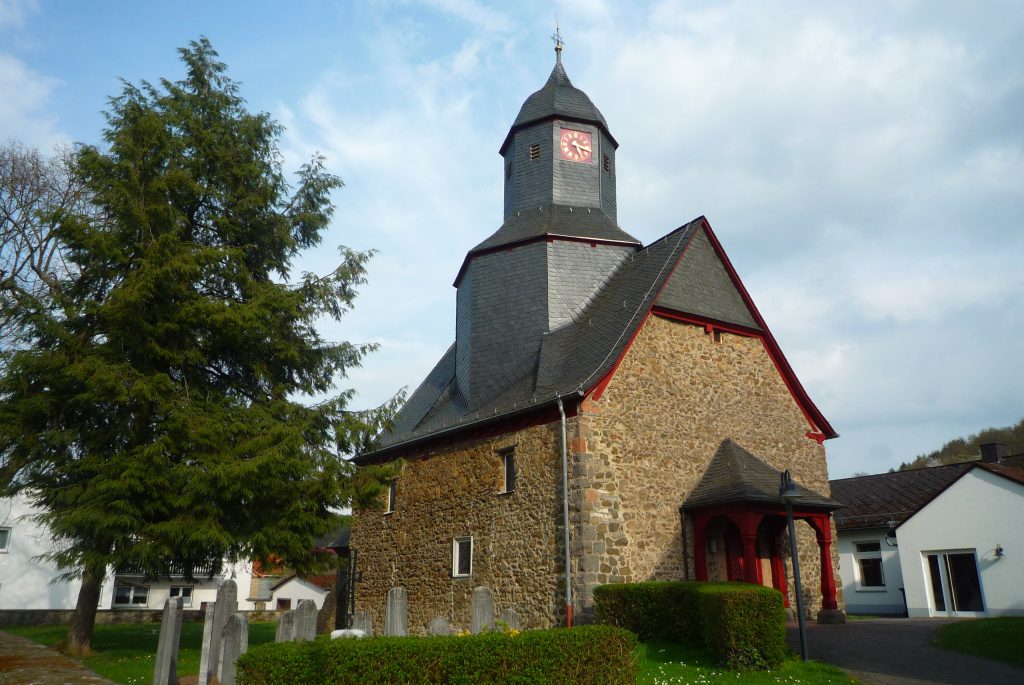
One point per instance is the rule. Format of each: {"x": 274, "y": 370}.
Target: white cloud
{"x": 23, "y": 107}
{"x": 13, "y": 12}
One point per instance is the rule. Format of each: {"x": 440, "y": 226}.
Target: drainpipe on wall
{"x": 565, "y": 519}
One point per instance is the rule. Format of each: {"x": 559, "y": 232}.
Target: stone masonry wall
{"x": 454, "y": 492}
{"x": 641, "y": 449}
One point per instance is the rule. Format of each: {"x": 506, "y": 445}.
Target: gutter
{"x": 565, "y": 519}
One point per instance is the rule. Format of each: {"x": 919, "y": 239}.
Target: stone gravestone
{"x": 305, "y": 621}
{"x": 327, "y": 617}
{"x": 362, "y": 621}
{"x": 483, "y": 611}
{"x": 285, "y": 627}
{"x": 439, "y": 626}
{"x": 235, "y": 643}
{"x": 166, "y": 671}
{"x": 396, "y": 618}
{"x": 510, "y": 618}
{"x": 225, "y": 606}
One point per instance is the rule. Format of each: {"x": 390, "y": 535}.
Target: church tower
{"x": 557, "y": 246}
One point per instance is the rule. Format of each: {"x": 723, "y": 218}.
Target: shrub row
{"x": 743, "y": 625}
{"x": 588, "y": 655}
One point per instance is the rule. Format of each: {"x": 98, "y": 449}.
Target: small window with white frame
{"x": 392, "y": 496}
{"x": 131, "y": 595}
{"x": 5, "y": 539}
{"x": 462, "y": 557}
{"x": 185, "y": 592}
{"x": 508, "y": 470}
{"x": 868, "y": 556}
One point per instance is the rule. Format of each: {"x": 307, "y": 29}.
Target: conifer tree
{"x": 154, "y": 411}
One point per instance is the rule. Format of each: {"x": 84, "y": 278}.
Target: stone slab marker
{"x": 166, "y": 671}
{"x": 305, "y": 621}
{"x": 204, "y": 655}
{"x": 225, "y": 606}
{"x": 362, "y": 621}
{"x": 483, "y": 611}
{"x": 396, "y": 617}
{"x": 510, "y": 618}
{"x": 285, "y": 627}
{"x": 439, "y": 626}
{"x": 235, "y": 643}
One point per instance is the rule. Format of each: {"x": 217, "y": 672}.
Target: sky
{"x": 862, "y": 164}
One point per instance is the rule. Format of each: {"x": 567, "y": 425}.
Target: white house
{"x": 26, "y": 581}
{"x": 934, "y": 541}
{"x": 289, "y": 591}
{"x": 962, "y": 553}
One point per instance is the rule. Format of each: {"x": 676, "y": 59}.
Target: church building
{"x": 609, "y": 412}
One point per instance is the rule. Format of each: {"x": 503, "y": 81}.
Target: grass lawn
{"x": 1001, "y": 639}
{"x": 126, "y": 653}
{"x": 671, "y": 664}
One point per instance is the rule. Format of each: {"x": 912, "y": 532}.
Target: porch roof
{"x": 735, "y": 476}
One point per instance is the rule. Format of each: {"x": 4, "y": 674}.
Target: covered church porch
{"x": 740, "y": 528}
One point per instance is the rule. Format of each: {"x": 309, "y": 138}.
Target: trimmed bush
{"x": 743, "y": 625}
{"x": 588, "y": 655}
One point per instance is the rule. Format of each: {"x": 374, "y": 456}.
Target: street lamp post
{"x": 788, "y": 493}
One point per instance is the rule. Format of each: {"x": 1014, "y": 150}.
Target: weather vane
{"x": 557, "y": 38}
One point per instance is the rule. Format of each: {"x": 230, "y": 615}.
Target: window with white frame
{"x": 185, "y": 592}
{"x": 868, "y": 556}
{"x": 5, "y": 539}
{"x": 131, "y": 595}
{"x": 508, "y": 470}
{"x": 392, "y": 496}
{"x": 462, "y": 557}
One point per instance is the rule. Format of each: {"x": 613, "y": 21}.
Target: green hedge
{"x": 585, "y": 655}
{"x": 742, "y": 625}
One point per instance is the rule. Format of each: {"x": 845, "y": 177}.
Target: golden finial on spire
{"x": 557, "y": 37}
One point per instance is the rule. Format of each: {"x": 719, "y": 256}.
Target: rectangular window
{"x": 284, "y": 604}
{"x": 5, "y": 539}
{"x": 869, "y": 564}
{"x": 607, "y": 163}
{"x": 508, "y": 172}
{"x": 508, "y": 471}
{"x": 185, "y": 593}
{"x": 131, "y": 595}
{"x": 535, "y": 152}
{"x": 462, "y": 557}
{"x": 392, "y": 496}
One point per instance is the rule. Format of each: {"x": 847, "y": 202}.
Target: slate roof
{"x": 337, "y": 539}
{"x": 736, "y": 476}
{"x": 1014, "y": 473}
{"x": 580, "y": 222}
{"x": 572, "y": 358}
{"x": 557, "y": 98}
{"x": 874, "y": 501}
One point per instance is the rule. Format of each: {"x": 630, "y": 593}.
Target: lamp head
{"x": 787, "y": 488}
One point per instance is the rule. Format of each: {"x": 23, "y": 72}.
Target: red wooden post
{"x": 828, "y": 584}
{"x": 748, "y": 535}
{"x": 700, "y": 561}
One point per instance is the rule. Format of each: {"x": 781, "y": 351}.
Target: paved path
{"x": 898, "y": 651}
{"x": 23, "y": 662}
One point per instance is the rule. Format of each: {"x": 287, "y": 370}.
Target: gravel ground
{"x": 23, "y": 662}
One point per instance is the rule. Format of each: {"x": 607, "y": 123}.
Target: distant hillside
{"x": 966, "y": 449}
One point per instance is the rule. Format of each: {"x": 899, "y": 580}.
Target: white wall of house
{"x": 297, "y": 589}
{"x": 861, "y": 592}
{"x": 972, "y": 516}
{"x": 135, "y": 592}
{"x": 25, "y": 581}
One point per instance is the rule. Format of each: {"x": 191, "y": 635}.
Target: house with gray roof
{"x": 608, "y": 411}
{"x": 934, "y": 541}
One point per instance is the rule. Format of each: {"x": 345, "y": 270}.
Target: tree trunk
{"x": 79, "y": 640}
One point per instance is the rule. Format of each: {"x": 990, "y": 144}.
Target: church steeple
{"x": 557, "y": 245}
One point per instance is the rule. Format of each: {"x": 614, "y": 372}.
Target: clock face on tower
{"x": 576, "y": 145}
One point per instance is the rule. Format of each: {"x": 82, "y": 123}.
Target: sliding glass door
{"x": 953, "y": 583}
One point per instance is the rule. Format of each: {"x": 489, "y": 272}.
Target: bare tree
{"x": 34, "y": 192}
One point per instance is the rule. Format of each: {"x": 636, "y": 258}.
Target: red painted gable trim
{"x": 821, "y": 430}
{"x": 819, "y": 420}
